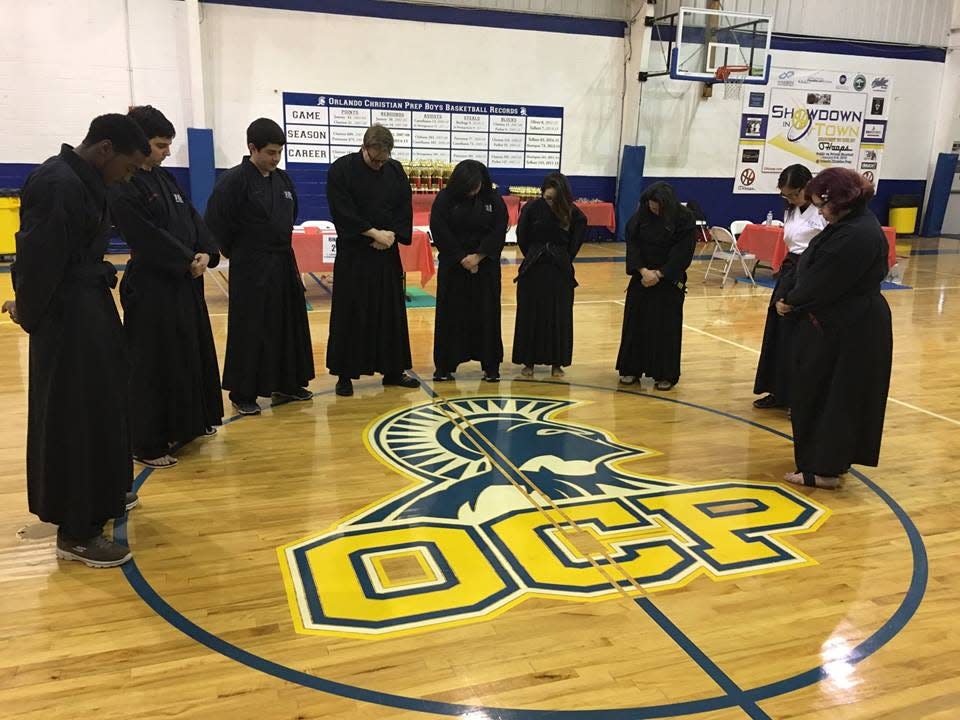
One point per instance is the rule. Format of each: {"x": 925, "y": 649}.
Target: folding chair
{"x": 737, "y": 226}
{"x": 725, "y": 250}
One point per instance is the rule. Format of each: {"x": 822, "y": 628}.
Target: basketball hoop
{"x": 732, "y": 77}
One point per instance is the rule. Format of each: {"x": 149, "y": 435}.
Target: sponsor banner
{"x": 816, "y": 118}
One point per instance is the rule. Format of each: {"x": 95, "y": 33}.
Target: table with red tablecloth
{"x": 765, "y": 242}
{"x": 422, "y": 202}
{"x": 599, "y": 214}
{"x": 415, "y": 257}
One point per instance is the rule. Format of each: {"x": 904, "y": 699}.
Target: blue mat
{"x": 771, "y": 283}
{"x": 417, "y": 298}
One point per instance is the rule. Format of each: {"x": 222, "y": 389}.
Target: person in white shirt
{"x": 801, "y": 223}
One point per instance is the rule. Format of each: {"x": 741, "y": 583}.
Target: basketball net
{"x": 732, "y": 77}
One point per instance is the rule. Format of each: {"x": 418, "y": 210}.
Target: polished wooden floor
{"x": 202, "y": 626}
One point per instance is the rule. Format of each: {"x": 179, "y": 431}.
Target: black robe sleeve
{"x": 578, "y": 231}
{"x": 840, "y": 263}
{"x": 403, "y": 214}
{"x": 43, "y": 247}
{"x": 346, "y": 216}
{"x": 221, "y": 213}
{"x": 635, "y": 259}
{"x": 524, "y": 239}
{"x": 681, "y": 252}
{"x": 206, "y": 242}
{"x": 448, "y": 243}
{"x": 154, "y": 246}
{"x": 491, "y": 244}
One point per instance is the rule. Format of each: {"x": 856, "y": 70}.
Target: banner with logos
{"x": 818, "y": 118}
{"x": 321, "y": 128}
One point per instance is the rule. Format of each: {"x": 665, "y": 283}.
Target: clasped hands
{"x": 471, "y": 263}
{"x": 382, "y": 239}
{"x": 649, "y": 278}
{"x": 199, "y": 264}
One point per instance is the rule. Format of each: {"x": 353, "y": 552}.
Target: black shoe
{"x": 210, "y": 431}
{"x": 298, "y": 395}
{"x": 491, "y": 377}
{"x": 400, "y": 380}
{"x": 766, "y": 402}
{"x": 344, "y": 387}
{"x": 442, "y": 377}
{"x": 246, "y": 407}
{"x": 133, "y": 500}
{"x": 95, "y": 552}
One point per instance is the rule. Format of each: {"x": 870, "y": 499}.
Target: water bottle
{"x": 769, "y": 218}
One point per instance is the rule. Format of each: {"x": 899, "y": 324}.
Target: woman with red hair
{"x": 843, "y": 346}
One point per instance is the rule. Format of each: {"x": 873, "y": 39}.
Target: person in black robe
{"x": 251, "y": 213}
{"x": 843, "y": 343}
{"x": 549, "y": 234}
{"x": 802, "y": 222}
{"x": 79, "y": 470}
{"x": 370, "y": 201}
{"x": 175, "y": 385}
{"x": 661, "y": 237}
{"x": 468, "y": 222}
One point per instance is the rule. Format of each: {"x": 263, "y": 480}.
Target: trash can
{"x": 9, "y": 220}
{"x": 903, "y": 213}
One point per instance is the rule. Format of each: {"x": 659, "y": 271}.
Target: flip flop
{"x": 154, "y": 464}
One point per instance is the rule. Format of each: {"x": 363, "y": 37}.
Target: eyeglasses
{"x": 380, "y": 157}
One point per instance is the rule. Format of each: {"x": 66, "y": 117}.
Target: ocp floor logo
{"x": 502, "y": 496}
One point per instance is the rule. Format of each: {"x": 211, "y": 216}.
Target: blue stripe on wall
{"x": 862, "y": 48}
{"x": 446, "y": 15}
{"x": 721, "y": 206}
{"x": 715, "y": 195}
{"x": 13, "y": 175}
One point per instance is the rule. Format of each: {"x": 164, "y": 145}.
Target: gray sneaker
{"x": 133, "y": 500}
{"x": 96, "y": 552}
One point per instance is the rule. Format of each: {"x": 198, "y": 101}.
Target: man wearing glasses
{"x": 370, "y": 200}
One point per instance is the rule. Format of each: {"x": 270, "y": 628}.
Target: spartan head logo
{"x": 470, "y": 456}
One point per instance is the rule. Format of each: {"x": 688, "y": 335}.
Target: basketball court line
{"x": 889, "y": 399}
{"x": 483, "y": 444}
{"x": 905, "y": 611}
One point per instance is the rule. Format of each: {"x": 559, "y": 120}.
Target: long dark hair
{"x": 663, "y": 194}
{"x": 563, "y": 201}
{"x": 466, "y": 176}
{"x": 795, "y": 177}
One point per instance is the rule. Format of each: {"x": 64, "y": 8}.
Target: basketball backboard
{"x": 701, "y": 41}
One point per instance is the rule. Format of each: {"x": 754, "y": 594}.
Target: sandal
{"x": 809, "y": 479}
{"x": 152, "y": 463}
